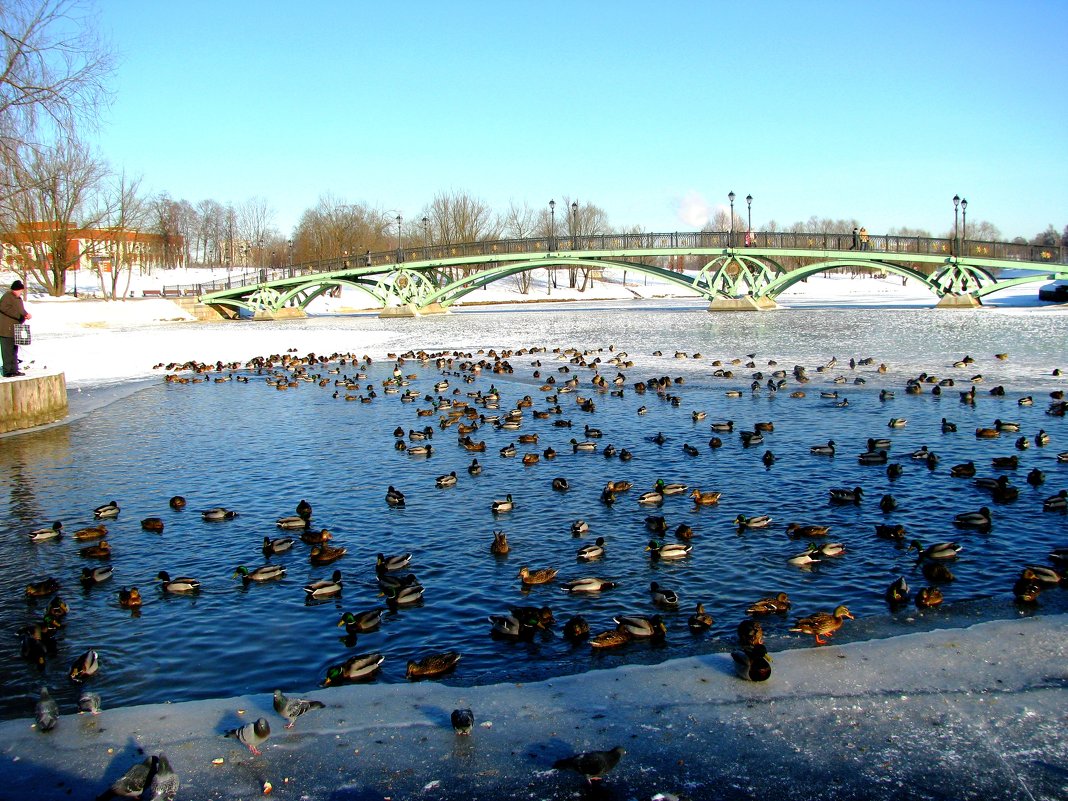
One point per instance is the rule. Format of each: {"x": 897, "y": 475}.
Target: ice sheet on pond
{"x": 949, "y": 714}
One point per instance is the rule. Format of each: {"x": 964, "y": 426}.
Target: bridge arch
{"x": 786, "y": 280}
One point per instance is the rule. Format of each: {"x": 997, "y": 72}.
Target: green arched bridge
{"x": 735, "y": 274}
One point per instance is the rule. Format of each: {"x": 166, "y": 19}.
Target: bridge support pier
{"x": 286, "y": 313}
{"x": 951, "y": 301}
{"x": 404, "y": 310}
{"x": 742, "y": 303}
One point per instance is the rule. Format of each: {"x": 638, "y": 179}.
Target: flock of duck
{"x": 472, "y": 413}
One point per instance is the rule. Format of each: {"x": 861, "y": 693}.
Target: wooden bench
{"x": 151, "y": 293}
{"x": 172, "y": 293}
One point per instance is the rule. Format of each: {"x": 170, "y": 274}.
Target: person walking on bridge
{"x": 856, "y": 239}
{"x": 863, "y": 238}
{"x": 12, "y": 310}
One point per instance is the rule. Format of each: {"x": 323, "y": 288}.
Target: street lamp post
{"x": 956, "y": 242}
{"x": 749, "y": 222}
{"x": 730, "y": 240}
{"x": 289, "y": 251}
{"x": 574, "y": 225}
{"x": 552, "y": 236}
{"x": 963, "y": 223}
{"x": 426, "y": 237}
{"x": 398, "y": 238}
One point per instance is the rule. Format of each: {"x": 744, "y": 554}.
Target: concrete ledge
{"x": 958, "y": 302}
{"x": 743, "y": 303}
{"x": 286, "y": 313}
{"x": 30, "y": 401}
{"x": 404, "y": 310}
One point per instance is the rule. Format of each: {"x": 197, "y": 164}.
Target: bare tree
{"x": 52, "y": 77}
{"x": 256, "y": 224}
{"x": 170, "y": 225}
{"x": 46, "y": 220}
{"x": 520, "y": 222}
{"x": 337, "y": 229}
{"x": 123, "y": 239}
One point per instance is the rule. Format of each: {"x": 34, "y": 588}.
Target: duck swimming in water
{"x": 106, "y": 511}
{"x": 55, "y": 531}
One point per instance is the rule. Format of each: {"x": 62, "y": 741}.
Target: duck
{"x": 768, "y": 459}
{"x": 177, "y": 502}
{"x": 405, "y": 595}
{"x": 937, "y": 571}
{"x": 85, "y": 667}
{"x": 887, "y": 504}
{"x": 807, "y": 558}
{"x": 394, "y": 497}
{"x": 1056, "y": 503}
{"x": 539, "y": 616}
{"x": 642, "y": 628}
{"x": 651, "y": 498}
{"x": 389, "y": 564}
{"x": 512, "y": 627}
{"x": 700, "y": 621}
{"x": 262, "y": 573}
{"x": 823, "y": 450}
{"x": 668, "y": 550}
{"x": 273, "y": 547}
{"x": 91, "y": 576}
{"x": 618, "y": 486}
{"x": 898, "y": 592}
{"x": 100, "y": 550}
{"x": 325, "y": 588}
{"x": 130, "y": 598}
{"x": 940, "y": 550}
{"x": 752, "y": 663}
{"x": 325, "y": 554}
{"x": 153, "y": 524}
{"x": 217, "y": 514}
{"x": 499, "y": 506}
{"x": 844, "y": 496}
{"x": 304, "y": 509}
{"x": 928, "y": 597}
{"x": 586, "y": 445}
{"x": 361, "y": 622}
{"x": 576, "y": 628}
{"x": 612, "y": 638}
{"x": 447, "y": 480}
{"x": 474, "y": 468}
{"x": 663, "y": 596}
{"x": 707, "y": 498}
{"x": 948, "y": 427}
{"x": 43, "y": 587}
{"x": 106, "y": 511}
{"x": 1027, "y": 588}
{"x": 1041, "y": 438}
{"x": 823, "y": 624}
{"x": 57, "y": 609}
{"x": 361, "y": 667}
{"x": 500, "y": 545}
{"x": 980, "y": 519}
{"x": 987, "y": 433}
{"x": 1005, "y": 462}
{"x": 964, "y": 470}
{"x": 594, "y": 550}
{"x": 291, "y": 523}
{"x": 723, "y": 426}
{"x": 560, "y": 484}
{"x": 432, "y": 666}
{"x": 758, "y": 521}
{"x": 894, "y": 471}
{"x": 770, "y": 606}
{"x": 1036, "y": 478}
{"x": 180, "y": 584}
{"x": 541, "y": 576}
{"x": 587, "y": 585}
{"x": 656, "y": 523}
{"x": 91, "y": 532}
{"x": 316, "y": 537}
{"x": 53, "y": 532}
{"x": 873, "y": 457}
{"x": 667, "y": 488}
{"x": 797, "y": 531}
{"x": 750, "y": 632}
{"x": 1045, "y": 575}
{"x": 580, "y": 527}
{"x": 890, "y": 531}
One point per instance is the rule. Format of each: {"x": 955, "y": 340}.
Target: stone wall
{"x": 29, "y": 401}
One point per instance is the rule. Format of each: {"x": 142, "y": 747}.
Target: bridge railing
{"x": 778, "y": 240}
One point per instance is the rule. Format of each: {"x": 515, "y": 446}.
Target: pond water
{"x": 257, "y": 450}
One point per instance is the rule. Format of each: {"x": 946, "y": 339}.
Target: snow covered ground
{"x": 966, "y": 713}
{"x": 963, "y": 713}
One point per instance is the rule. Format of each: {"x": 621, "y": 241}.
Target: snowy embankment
{"x": 964, "y": 713}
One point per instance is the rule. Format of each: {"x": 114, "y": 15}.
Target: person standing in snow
{"x": 12, "y": 310}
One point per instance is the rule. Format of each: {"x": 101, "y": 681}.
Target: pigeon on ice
{"x": 592, "y": 764}
{"x": 47, "y": 711}
{"x": 463, "y": 720}
{"x": 130, "y": 784}
{"x": 252, "y": 735}
{"x": 293, "y": 708}
{"x": 163, "y": 781}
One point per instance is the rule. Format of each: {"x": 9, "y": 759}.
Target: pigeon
{"x": 47, "y": 712}
{"x": 89, "y": 702}
{"x": 293, "y": 708}
{"x": 130, "y": 784}
{"x": 252, "y": 735}
{"x": 592, "y": 764}
{"x": 163, "y": 783}
{"x": 463, "y": 720}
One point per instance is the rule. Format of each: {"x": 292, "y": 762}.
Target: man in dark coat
{"x": 12, "y": 311}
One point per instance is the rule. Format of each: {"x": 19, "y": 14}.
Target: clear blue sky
{"x": 652, "y": 110}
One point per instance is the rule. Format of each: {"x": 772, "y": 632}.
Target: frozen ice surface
{"x": 948, "y": 714}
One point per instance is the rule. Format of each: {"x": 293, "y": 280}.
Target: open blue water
{"x": 258, "y": 450}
